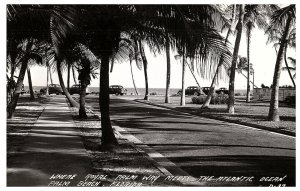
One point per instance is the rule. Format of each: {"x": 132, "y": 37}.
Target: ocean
{"x": 141, "y": 91}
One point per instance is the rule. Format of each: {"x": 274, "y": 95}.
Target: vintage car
{"x": 53, "y": 89}
{"x": 205, "y": 90}
{"x": 75, "y": 89}
{"x": 191, "y": 90}
{"x": 117, "y": 90}
{"x": 222, "y": 91}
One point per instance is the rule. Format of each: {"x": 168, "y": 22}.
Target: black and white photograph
{"x": 150, "y": 94}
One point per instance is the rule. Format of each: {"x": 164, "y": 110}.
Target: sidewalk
{"x": 53, "y": 146}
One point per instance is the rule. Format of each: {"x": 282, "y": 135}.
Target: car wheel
{"x": 122, "y": 94}
{"x": 57, "y": 93}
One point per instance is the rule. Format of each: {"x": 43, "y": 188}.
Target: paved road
{"x": 206, "y": 147}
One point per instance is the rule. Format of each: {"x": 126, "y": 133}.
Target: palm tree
{"x": 239, "y": 27}
{"x": 134, "y": 55}
{"x": 49, "y": 23}
{"x": 59, "y": 65}
{"x": 255, "y": 15}
{"x": 182, "y": 98}
{"x": 87, "y": 64}
{"x": 59, "y": 62}
{"x": 28, "y": 53}
{"x": 68, "y": 76}
{"x": 168, "y": 76}
{"x": 30, "y": 84}
{"x": 282, "y": 18}
{"x": 145, "y": 66}
{"x": 274, "y": 35}
{"x": 221, "y": 61}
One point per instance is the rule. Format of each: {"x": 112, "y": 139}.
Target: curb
{"x": 163, "y": 165}
{"x": 280, "y": 131}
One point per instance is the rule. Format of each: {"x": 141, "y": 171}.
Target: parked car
{"x": 53, "y": 89}
{"x": 75, "y": 89}
{"x": 191, "y": 90}
{"x": 290, "y": 100}
{"x": 117, "y": 90}
{"x": 205, "y": 90}
{"x": 222, "y": 91}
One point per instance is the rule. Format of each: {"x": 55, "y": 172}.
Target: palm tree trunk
{"x": 49, "y": 70}
{"x": 82, "y": 112}
{"x": 11, "y": 82}
{"x": 214, "y": 80}
{"x": 47, "y": 87}
{"x": 145, "y": 65}
{"x": 213, "y": 83}
{"x": 30, "y": 84}
{"x": 13, "y": 103}
{"x": 136, "y": 91}
{"x": 50, "y": 74}
{"x": 248, "y": 67}
{"x": 68, "y": 77}
{"x": 273, "y": 110}
{"x": 74, "y": 75}
{"x": 72, "y": 102}
{"x": 168, "y": 80}
{"x": 212, "y": 86}
{"x": 230, "y": 106}
{"x": 182, "y": 99}
{"x": 192, "y": 72}
{"x": 13, "y": 55}
{"x": 112, "y": 63}
{"x": 108, "y": 137}
{"x": 287, "y": 66}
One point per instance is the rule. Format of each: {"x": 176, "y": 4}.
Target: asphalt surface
{"x": 206, "y": 147}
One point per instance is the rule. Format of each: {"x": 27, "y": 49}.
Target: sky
{"x": 262, "y": 55}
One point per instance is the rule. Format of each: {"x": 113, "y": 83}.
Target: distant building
{"x": 265, "y": 93}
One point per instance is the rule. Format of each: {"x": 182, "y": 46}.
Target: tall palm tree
{"x": 168, "y": 76}
{"x": 135, "y": 55}
{"x": 30, "y": 84}
{"x": 145, "y": 66}
{"x": 239, "y": 27}
{"x": 282, "y": 18}
{"x": 48, "y": 23}
{"x": 68, "y": 76}
{"x": 87, "y": 64}
{"x": 74, "y": 75}
{"x": 221, "y": 61}
{"x": 274, "y": 35}
{"x": 59, "y": 65}
{"x": 182, "y": 98}
{"x": 255, "y": 15}
{"x": 28, "y": 53}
